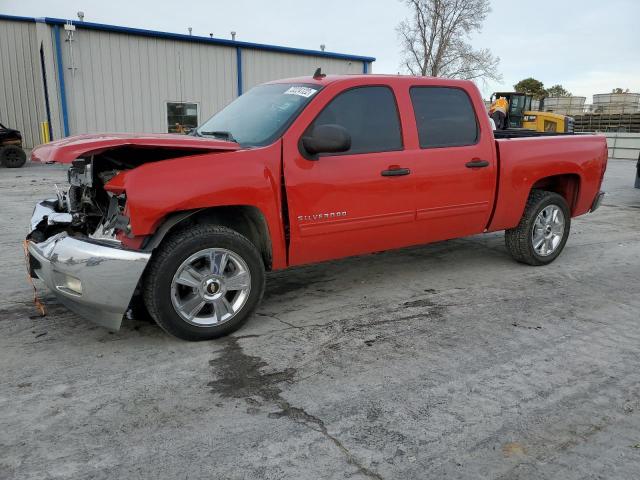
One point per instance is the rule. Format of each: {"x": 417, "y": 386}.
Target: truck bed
{"x": 524, "y": 133}
{"x": 524, "y": 160}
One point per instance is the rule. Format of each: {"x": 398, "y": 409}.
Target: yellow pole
{"x": 44, "y": 132}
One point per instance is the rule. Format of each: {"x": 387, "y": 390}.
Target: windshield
{"x": 259, "y": 116}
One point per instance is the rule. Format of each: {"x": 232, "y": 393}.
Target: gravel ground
{"x": 447, "y": 360}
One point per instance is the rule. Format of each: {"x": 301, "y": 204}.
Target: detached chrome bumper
{"x": 94, "y": 280}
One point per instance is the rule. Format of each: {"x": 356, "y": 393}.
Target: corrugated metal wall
{"x": 21, "y": 87}
{"x": 119, "y": 82}
{"x": 259, "y": 66}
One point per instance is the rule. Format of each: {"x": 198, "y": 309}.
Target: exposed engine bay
{"x": 84, "y": 207}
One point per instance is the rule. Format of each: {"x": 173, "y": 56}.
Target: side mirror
{"x": 327, "y": 139}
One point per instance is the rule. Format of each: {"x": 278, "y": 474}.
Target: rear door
{"x": 357, "y": 201}
{"x": 455, "y": 170}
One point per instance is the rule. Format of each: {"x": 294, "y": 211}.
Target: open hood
{"x": 70, "y": 148}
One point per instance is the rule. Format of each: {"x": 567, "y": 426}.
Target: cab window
{"x": 370, "y": 116}
{"x": 444, "y": 117}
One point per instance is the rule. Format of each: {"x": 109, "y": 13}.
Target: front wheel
{"x": 543, "y": 230}
{"x": 204, "y": 282}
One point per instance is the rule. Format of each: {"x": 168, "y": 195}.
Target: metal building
{"x": 82, "y": 77}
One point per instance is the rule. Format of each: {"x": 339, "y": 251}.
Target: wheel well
{"x": 244, "y": 219}
{"x": 567, "y": 185}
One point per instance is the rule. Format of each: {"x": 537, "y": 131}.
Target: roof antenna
{"x": 319, "y": 75}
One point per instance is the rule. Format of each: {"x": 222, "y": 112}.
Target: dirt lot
{"x": 448, "y": 360}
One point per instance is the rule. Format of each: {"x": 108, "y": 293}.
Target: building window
{"x": 181, "y": 117}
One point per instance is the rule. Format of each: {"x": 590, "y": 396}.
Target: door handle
{"x": 477, "y": 163}
{"x": 395, "y": 172}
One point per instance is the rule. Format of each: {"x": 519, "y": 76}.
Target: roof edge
{"x": 189, "y": 38}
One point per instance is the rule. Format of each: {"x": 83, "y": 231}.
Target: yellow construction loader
{"x": 520, "y": 115}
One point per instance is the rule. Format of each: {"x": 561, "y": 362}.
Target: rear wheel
{"x": 204, "y": 282}
{"x": 543, "y": 230}
{"x": 12, "y": 156}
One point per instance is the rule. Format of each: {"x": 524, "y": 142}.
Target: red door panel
{"x": 342, "y": 205}
{"x": 453, "y": 200}
{"x": 455, "y": 166}
{"x": 353, "y": 203}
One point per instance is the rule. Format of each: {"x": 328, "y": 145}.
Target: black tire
{"x": 519, "y": 240}
{"x": 138, "y": 310}
{"x": 12, "y": 156}
{"x": 172, "y": 253}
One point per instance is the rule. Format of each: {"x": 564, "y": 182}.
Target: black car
{"x": 11, "y": 153}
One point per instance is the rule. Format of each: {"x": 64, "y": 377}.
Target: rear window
{"x": 444, "y": 117}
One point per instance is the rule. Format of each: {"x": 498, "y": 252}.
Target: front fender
{"x": 248, "y": 177}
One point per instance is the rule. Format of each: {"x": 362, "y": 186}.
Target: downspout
{"x": 239, "y": 69}
{"x": 365, "y": 67}
{"x": 63, "y": 94}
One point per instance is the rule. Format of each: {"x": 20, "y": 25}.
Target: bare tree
{"x": 436, "y": 37}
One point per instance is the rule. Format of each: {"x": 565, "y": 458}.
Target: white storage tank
{"x": 616, "y": 102}
{"x": 565, "y": 105}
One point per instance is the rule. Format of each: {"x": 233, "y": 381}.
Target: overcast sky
{"x": 588, "y": 46}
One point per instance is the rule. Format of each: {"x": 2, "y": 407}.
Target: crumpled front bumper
{"x": 95, "y": 280}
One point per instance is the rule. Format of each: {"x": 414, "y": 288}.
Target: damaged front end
{"x": 84, "y": 208}
{"x": 78, "y": 245}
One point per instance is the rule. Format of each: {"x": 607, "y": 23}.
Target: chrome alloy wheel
{"x": 548, "y": 230}
{"x": 210, "y": 287}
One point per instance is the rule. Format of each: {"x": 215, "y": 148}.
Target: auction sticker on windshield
{"x": 301, "y": 91}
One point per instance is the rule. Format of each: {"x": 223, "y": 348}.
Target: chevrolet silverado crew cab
{"x": 294, "y": 172}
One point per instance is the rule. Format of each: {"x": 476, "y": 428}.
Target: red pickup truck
{"x": 294, "y": 172}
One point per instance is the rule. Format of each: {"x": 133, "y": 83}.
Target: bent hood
{"x": 70, "y": 148}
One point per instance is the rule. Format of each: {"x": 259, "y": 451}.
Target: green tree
{"x": 620, "y": 90}
{"x": 531, "y": 86}
{"x": 557, "y": 91}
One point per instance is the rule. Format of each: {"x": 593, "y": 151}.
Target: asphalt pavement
{"x": 442, "y": 361}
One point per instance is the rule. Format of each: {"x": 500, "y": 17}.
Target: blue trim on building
{"x": 239, "y": 69}
{"x": 16, "y": 18}
{"x": 190, "y": 38}
{"x": 63, "y": 94}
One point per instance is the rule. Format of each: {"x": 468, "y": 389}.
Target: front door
{"x": 358, "y": 201}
